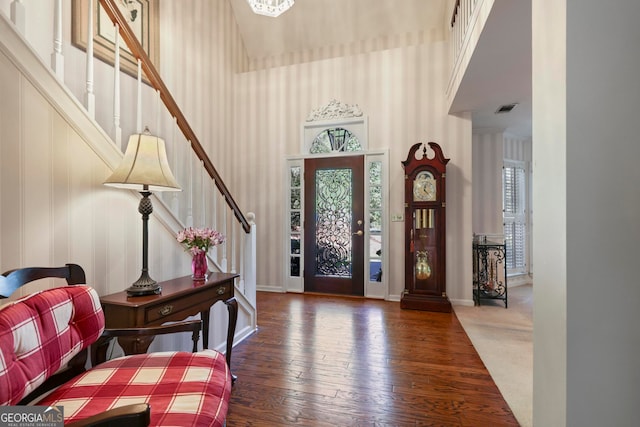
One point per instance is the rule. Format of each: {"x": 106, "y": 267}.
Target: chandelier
{"x": 271, "y": 8}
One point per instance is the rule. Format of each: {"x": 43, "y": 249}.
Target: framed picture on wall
{"x": 142, "y": 17}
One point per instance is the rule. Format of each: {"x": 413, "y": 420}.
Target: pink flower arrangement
{"x": 200, "y": 239}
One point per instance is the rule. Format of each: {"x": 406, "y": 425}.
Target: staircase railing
{"x": 156, "y": 82}
{"x": 242, "y": 249}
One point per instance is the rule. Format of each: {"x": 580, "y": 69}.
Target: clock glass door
{"x": 424, "y": 247}
{"x": 334, "y": 225}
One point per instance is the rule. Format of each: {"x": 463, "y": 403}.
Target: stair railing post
{"x": 116, "y": 91}
{"x": 225, "y": 223}
{"x": 139, "y": 98}
{"x": 90, "y": 99}
{"x": 57, "y": 59}
{"x": 249, "y": 263}
{"x": 18, "y": 15}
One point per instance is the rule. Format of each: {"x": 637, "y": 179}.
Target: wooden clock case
{"x": 425, "y": 230}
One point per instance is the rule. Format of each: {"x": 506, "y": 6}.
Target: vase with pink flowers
{"x": 198, "y": 242}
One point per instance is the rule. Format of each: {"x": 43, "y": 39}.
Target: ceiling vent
{"x": 506, "y": 108}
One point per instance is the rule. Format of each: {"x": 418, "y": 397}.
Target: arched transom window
{"x": 334, "y": 140}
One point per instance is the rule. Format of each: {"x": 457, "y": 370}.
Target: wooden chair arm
{"x": 136, "y": 415}
{"x": 100, "y": 346}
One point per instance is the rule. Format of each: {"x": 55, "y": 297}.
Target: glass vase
{"x": 199, "y": 266}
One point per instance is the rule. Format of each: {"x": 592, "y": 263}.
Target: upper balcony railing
{"x": 460, "y": 19}
{"x": 464, "y": 17}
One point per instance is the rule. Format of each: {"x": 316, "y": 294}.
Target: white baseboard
{"x": 263, "y": 288}
{"x": 463, "y": 302}
{"x": 240, "y": 336}
{"x": 519, "y": 280}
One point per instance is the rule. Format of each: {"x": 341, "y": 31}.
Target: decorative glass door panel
{"x": 334, "y": 225}
{"x": 295, "y": 208}
{"x": 333, "y": 222}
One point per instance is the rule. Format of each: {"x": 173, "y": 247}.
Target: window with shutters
{"x": 515, "y": 215}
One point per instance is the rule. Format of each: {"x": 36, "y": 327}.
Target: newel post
{"x": 250, "y": 251}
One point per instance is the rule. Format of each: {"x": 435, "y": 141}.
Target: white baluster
{"x": 158, "y": 109}
{"x": 190, "y": 201}
{"x": 175, "y": 201}
{"x": 224, "y": 247}
{"x": 57, "y": 60}
{"x": 466, "y": 15}
{"x": 242, "y": 254}
{"x": 204, "y": 193}
{"x": 456, "y": 29}
{"x": 233, "y": 246}
{"x": 460, "y": 29}
{"x": 90, "y": 99}
{"x": 214, "y": 203}
{"x": 17, "y": 15}
{"x": 139, "y": 101}
{"x": 185, "y": 153}
{"x": 116, "y": 91}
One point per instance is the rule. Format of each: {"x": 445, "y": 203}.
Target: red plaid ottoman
{"x": 182, "y": 388}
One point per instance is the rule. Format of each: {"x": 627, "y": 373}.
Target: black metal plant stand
{"x": 489, "y": 271}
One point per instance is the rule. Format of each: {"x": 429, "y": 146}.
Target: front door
{"x": 334, "y": 225}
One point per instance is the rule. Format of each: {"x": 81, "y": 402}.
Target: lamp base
{"x": 145, "y": 285}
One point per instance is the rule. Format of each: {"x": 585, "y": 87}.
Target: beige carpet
{"x": 504, "y": 340}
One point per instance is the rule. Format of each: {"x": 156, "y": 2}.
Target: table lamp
{"x": 144, "y": 168}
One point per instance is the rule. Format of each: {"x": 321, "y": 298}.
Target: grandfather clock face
{"x": 424, "y": 187}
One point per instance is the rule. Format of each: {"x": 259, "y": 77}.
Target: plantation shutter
{"x": 514, "y": 215}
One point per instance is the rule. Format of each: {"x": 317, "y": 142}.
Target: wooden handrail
{"x": 156, "y": 82}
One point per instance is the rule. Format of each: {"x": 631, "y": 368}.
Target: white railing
{"x": 459, "y": 26}
{"x": 205, "y": 199}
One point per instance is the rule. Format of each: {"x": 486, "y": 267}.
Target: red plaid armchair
{"x": 45, "y": 339}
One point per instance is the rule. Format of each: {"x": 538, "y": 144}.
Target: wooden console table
{"x": 180, "y": 298}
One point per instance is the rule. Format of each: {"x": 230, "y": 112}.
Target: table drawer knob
{"x": 222, "y": 290}
{"x": 166, "y": 310}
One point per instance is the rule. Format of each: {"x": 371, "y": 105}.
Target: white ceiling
{"x": 312, "y": 24}
{"x": 499, "y": 71}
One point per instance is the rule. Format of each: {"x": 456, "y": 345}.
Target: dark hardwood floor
{"x": 334, "y": 361}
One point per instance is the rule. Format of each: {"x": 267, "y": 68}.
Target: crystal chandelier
{"x": 271, "y": 8}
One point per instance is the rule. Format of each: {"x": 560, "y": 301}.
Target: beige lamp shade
{"x": 144, "y": 166}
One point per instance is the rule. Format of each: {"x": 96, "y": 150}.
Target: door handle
{"x": 358, "y": 233}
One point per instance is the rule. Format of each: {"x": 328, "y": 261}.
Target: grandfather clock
{"x": 424, "y": 226}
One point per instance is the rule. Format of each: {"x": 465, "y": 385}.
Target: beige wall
{"x": 550, "y": 215}
{"x": 54, "y": 207}
{"x": 586, "y": 293}
{"x": 488, "y": 158}
{"x": 249, "y": 121}
{"x": 490, "y": 149}
{"x": 401, "y": 91}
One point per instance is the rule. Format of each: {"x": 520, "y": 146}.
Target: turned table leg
{"x": 232, "y": 306}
